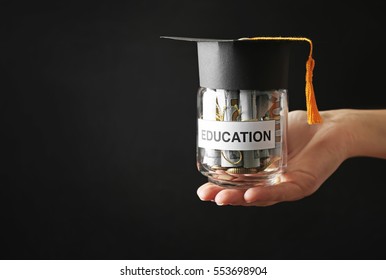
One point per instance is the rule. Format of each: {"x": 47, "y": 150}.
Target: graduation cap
{"x": 251, "y": 63}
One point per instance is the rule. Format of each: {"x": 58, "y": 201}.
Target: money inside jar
{"x": 247, "y": 106}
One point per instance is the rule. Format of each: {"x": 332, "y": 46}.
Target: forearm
{"x": 366, "y": 132}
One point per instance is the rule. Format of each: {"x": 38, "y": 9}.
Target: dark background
{"x": 98, "y": 132}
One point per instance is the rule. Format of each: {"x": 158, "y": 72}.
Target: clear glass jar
{"x": 242, "y": 136}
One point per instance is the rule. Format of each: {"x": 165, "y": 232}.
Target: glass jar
{"x": 242, "y": 136}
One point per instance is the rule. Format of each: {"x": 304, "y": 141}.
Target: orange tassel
{"x": 313, "y": 116}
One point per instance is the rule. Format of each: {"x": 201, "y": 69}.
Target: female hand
{"x": 314, "y": 153}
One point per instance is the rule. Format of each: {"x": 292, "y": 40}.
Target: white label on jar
{"x": 239, "y": 136}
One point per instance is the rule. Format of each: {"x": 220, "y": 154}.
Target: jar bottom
{"x": 245, "y": 181}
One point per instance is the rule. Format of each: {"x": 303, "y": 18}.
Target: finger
{"x": 208, "y": 191}
{"x": 230, "y": 197}
{"x": 261, "y": 203}
{"x": 286, "y": 191}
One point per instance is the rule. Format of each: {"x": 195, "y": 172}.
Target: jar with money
{"x": 242, "y": 109}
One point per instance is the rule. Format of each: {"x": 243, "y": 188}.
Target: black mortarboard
{"x": 251, "y": 63}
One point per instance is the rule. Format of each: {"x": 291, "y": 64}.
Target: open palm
{"x": 314, "y": 153}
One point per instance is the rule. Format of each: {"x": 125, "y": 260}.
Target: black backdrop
{"x": 98, "y": 129}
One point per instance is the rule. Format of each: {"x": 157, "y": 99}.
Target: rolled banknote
{"x": 228, "y": 101}
{"x": 209, "y": 112}
{"x": 248, "y": 112}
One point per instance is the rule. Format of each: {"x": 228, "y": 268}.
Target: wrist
{"x": 363, "y": 132}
